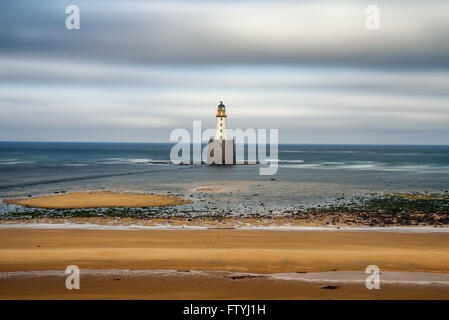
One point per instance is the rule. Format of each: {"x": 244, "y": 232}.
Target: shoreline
{"x": 286, "y": 224}
{"x": 388, "y": 211}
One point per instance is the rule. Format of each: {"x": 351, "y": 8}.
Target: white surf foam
{"x": 237, "y": 226}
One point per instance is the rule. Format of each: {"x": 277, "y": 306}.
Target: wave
{"x": 14, "y": 161}
{"x": 366, "y": 165}
{"x": 283, "y": 161}
{"x": 132, "y": 161}
{"x": 377, "y": 152}
{"x": 321, "y": 151}
{"x": 50, "y": 181}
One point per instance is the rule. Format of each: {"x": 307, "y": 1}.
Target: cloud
{"x": 300, "y": 101}
{"x": 270, "y": 32}
{"x": 138, "y": 69}
{"x": 73, "y": 72}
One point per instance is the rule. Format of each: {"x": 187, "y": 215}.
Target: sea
{"x": 307, "y": 175}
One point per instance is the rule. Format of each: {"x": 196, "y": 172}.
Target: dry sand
{"x": 231, "y": 250}
{"x": 262, "y": 252}
{"x": 98, "y": 199}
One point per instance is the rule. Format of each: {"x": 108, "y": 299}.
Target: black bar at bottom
{"x": 224, "y": 309}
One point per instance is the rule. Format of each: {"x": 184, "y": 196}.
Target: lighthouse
{"x": 221, "y": 122}
{"x": 220, "y": 149}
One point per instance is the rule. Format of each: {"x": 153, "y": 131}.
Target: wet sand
{"x": 98, "y": 199}
{"x": 275, "y": 223}
{"x": 194, "y": 285}
{"x": 261, "y": 252}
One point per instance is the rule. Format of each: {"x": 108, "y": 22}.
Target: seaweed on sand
{"x": 383, "y": 210}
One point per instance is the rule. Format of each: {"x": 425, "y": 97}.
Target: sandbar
{"x": 99, "y": 199}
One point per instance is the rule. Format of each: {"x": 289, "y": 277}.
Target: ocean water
{"x": 308, "y": 175}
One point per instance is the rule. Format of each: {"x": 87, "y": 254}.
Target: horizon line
{"x": 315, "y": 144}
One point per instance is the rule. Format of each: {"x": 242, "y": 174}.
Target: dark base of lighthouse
{"x": 221, "y": 152}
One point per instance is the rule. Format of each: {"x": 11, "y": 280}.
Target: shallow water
{"x": 308, "y": 175}
{"x": 333, "y": 277}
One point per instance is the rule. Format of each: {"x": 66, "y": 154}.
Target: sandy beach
{"x": 277, "y": 257}
{"x": 258, "y": 252}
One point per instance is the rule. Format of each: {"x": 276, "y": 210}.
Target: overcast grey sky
{"x": 138, "y": 69}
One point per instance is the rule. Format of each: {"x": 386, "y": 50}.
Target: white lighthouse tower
{"x": 221, "y": 150}
{"x": 221, "y": 122}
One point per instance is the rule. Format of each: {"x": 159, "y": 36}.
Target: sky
{"x": 136, "y": 70}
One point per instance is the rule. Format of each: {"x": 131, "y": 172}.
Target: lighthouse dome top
{"x": 221, "y": 112}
